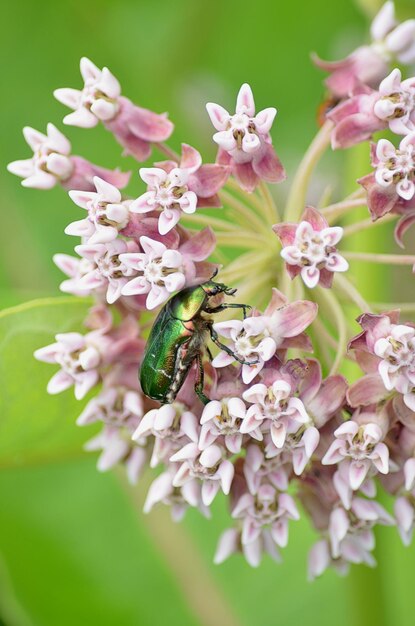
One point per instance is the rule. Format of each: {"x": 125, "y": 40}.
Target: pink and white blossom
{"x": 115, "y": 447}
{"x": 274, "y": 409}
{"x": 100, "y": 99}
{"x": 52, "y": 164}
{"x": 209, "y": 466}
{"x": 222, "y": 420}
{"x": 309, "y": 249}
{"x": 396, "y": 104}
{"x": 79, "y": 357}
{"x": 179, "y": 499}
{"x": 109, "y": 273}
{"x": 299, "y": 446}
{"x": 177, "y": 187}
{"x": 361, "y": 448}
{"x": 369, "y": 64}
{"x": 172, "y": 425}
{"x": 107, "y": 213}
{"x": 251, "y": 344}
{"x": 158, "y": 272}
{"x": 258, "y": 468}
{"x": 245, "y": 142}
{"x": 397, "y": 365}
{"x": 268, "y": 509}
{"x": 75, "y": 269}
{"x": 230, "y": 543}
{"x": 351, "y": 535}
{"x": 391, "y": 364}
{"x": 395, "y": 168}
{"x": 116, "y": 406}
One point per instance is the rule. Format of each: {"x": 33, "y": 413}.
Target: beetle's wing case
{"x": 157, "y": 368}
{"x": 188, "y": 303}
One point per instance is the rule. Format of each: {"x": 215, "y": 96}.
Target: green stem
{"x": 404, "y": 307}
{"x": 168, "y": 152}
{"x": 387, "y": 259}
{"x": 365, "y": 224}
{"x": 338, "y": 316}
{"x": 243, "y": 239}
{"x": 334, "y": 211}
{"x": 298, "y": 192}
{"x": 271, "y": 212}
{"x": 206, "y": 220}
{"x": 352, "y": 293}
{"x": 250, "y": 218}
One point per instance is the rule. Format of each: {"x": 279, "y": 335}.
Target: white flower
{"x": 98, "y": 100}
{"x": 167, "y": 191}
{"x": 161, "y": 272}
{"x": 397, "y": 166}
{"x": 107, "y": 214}
{"x": 397, "y": 367}
{"x": 51, "y": 161}
{"x": 314, "y": 250}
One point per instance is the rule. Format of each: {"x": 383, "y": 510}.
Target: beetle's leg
{"x": 200, "y": 381}
{"x": 215, "y": 338}
{"x": 223, "y": 307}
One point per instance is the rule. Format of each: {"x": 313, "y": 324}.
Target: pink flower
{"x": 76, "y": 269}
{"x": 109, "y": 273}
{"x": 230, "y": 543}
{"x": 53, "y": 163}
{"x": 100, "y": 100}
{"x": 178, "y": 498}
{"x": 223, "y": 420}
{"x": 397, "y": 365}
{"x": 259, "y": 469}
{"x": 299, "y": 446}
{"x": 161, "y": 272}
{"x": 245, "y": 142}
{"x": 251, "y": 344}
{"x": 322, "y": 398}
{"x": 256, "y": 339}
{"x": 309, "y": 249}
{"x": 79, "y": 357}
{"x": 269, "y": 510}
{"x": 355, "y": 120}
{"x": 115, "y": 406}
{"x": 351, "y": 535}
{"x": 116, "y": 447}
{"x": 396, "y": 105}
{"x": 173, "y": 427}
{"x": 404, "y": 509}
{"x": 107, "y": 214}
{"x": 368, "y": 65}
{"x": 396, "y": 168}
{"x": 386, "y": 350}
{"x": 274, "y": 409}
{"x": 180, "y": 188}
{"x": 210, "y": 466}
{"x": 361, "y": 447}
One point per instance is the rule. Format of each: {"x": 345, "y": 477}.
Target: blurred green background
{"x": 74, "y": 546}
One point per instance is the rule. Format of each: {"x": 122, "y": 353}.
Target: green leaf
{"x": 75, "y": 554}
{"x": 34, "y": 426}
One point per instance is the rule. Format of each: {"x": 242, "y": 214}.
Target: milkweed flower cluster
{"x": 282, "y": 431}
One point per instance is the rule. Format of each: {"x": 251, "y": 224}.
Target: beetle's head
{"x": 211, "y": 288}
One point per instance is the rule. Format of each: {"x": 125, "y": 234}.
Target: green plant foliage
{"x": 36, "y": 427}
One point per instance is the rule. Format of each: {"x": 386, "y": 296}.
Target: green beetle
{"x": 178, "y": 338}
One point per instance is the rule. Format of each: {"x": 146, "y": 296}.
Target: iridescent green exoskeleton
{"x": 178, "y": 339}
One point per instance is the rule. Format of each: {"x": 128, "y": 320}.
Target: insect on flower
{"x": 177, "y": 341}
